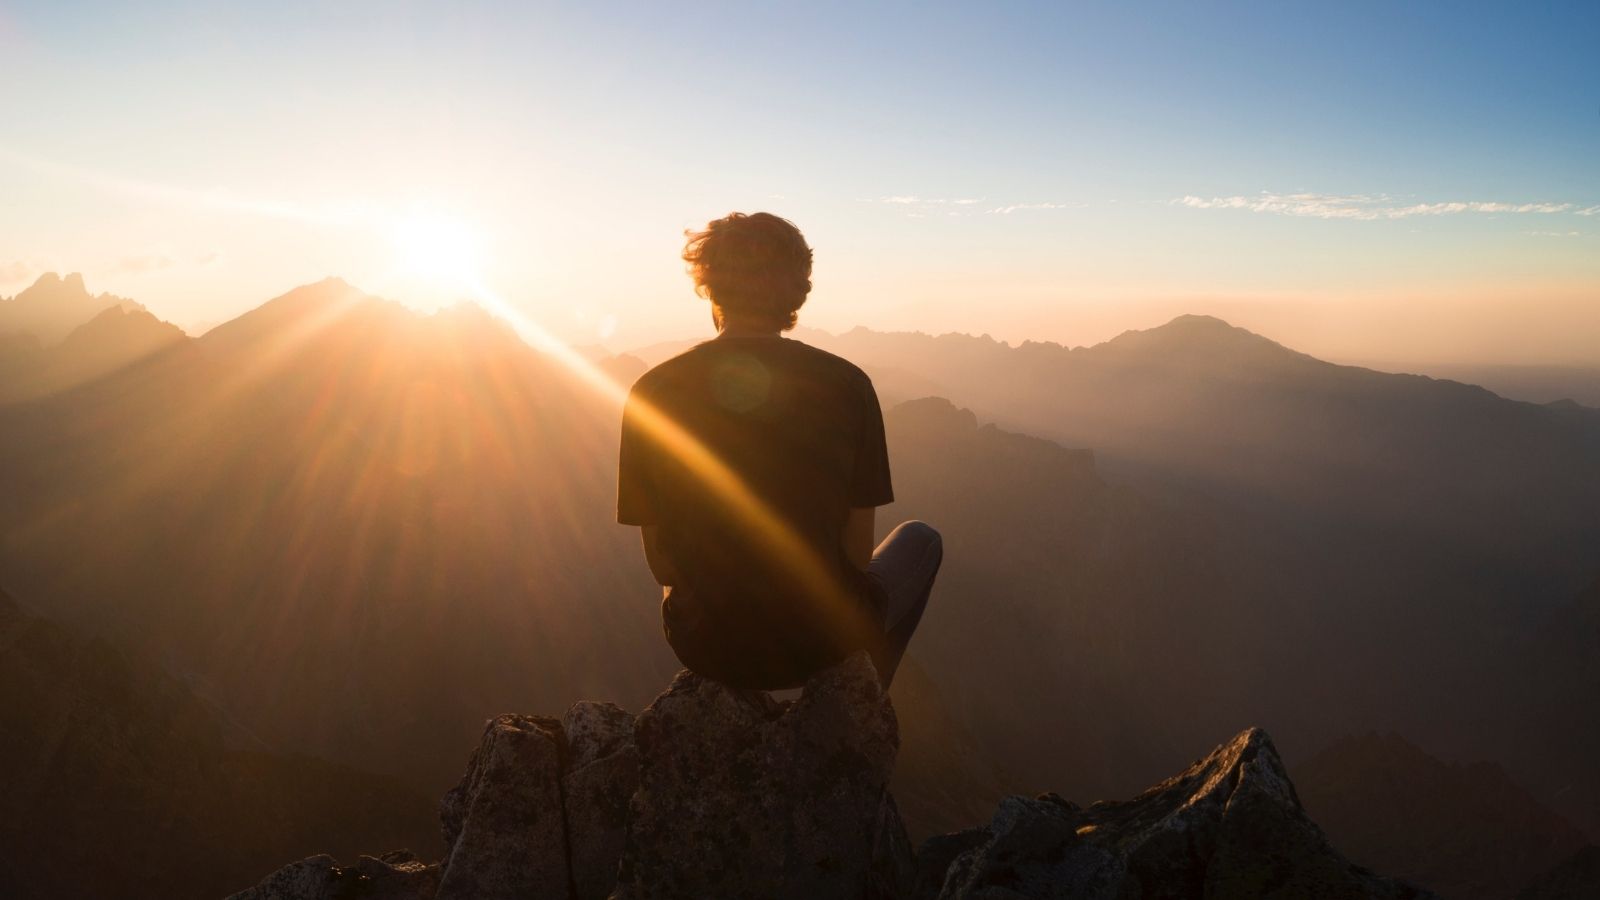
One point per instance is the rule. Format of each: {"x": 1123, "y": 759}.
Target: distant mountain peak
{"x": 54, "y": 305}
{"x": 1203, "y": 338}
{"x": 1196, "y": 326}
{"x": 54, "y": 285}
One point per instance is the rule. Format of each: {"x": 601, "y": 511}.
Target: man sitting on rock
{"x": 753, "y": 464}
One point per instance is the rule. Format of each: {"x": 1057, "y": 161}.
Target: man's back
{"x": 801, "y": 431}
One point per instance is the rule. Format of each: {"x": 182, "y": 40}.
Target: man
{"x": 753, "y": 464}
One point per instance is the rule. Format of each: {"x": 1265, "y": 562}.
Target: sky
{"x": 1401, "y": 183}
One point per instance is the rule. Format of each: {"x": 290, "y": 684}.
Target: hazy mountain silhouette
{"x": 1466, "y": 831}
{"x": 1550, "y": 679}
{"x": 363, "y": 530}
{"x": 118, "y": 336}
{"x": 1385, "y": 523}
{"x": 346, "y": 517}
{"x": 53, "y": 306}
{"x": 120, "y": 782}
{"x": 1535, "y": 384}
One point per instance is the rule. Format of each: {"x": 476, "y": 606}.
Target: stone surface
{"x": 504, "y": 821}
{"x": 717, "y": 793}
{"x": 395, "y": 876}
{"x": 743, "y": 797}
{"x": 1230, "y": 826}
{"x": 602, "y": 774}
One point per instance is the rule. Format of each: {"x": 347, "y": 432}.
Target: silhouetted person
{"x": 753, "y": 464}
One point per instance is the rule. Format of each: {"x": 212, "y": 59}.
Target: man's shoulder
{"x": 805, "y": 361}
{"x": 822, "y": 359}
{"x": 671, "y": 366}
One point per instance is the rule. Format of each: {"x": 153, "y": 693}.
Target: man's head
{"x": 756, "y": 268}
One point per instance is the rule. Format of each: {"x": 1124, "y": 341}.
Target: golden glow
{"x": 785, "y": 547}
{"x": 436, "y": 248}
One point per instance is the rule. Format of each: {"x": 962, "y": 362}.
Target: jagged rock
{"x": 503, "y": 822}
{"x": 602, "y": 774}
{"x": 718, "y": 793}
{"x": 394, "y": 876}
{"x": 1230, "y": 826}
{"x": 743, "y": 797}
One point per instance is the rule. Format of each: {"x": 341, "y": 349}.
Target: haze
{"x": 1407, "y": 187}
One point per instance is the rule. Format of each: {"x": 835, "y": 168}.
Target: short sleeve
{"x": 869, "y": 481}
{"x": 636, "y": 497}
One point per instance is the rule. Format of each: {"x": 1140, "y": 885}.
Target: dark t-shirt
{"x": 748, "y": 454}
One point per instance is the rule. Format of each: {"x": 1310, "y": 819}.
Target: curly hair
{"x": 756, "y": 264}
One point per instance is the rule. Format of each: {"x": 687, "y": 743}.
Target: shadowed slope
{"x": 1468, "y": 831}
{"x": 121, "y": 783}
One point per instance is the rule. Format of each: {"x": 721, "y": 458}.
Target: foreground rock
{"x": 740, "y": 798}
{"x": 710, "y": 793}
{"x": 1230, "y": 826}
{"x": 714, "y": 793}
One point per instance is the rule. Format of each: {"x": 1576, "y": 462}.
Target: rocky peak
{"x": 54, "y": 305}
{"x": 713, "y": 792}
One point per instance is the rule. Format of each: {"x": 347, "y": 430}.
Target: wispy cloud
{"x": 15, "y": 271}
{"x": 1017, "y": 207}
{"x": 914, "y": 200}
{"x": 1369, "y": 207}
{"x": 1587, "y": 211}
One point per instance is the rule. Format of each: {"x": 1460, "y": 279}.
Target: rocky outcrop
{"x": 602, "y": 775}
{"x": 504, "y": 823}
{"x": 1230, "y": 826}
{"x": 393, "y": 876}
{"x": 712, "y": 792}
{"x": 739, "y": 797}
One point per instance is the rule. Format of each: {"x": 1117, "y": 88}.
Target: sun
{"x": 436, "y": 248}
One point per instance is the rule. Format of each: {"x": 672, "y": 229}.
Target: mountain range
{"x": 360, "y": 530}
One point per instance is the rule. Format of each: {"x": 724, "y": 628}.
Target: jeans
{"x": 904, "y": 565}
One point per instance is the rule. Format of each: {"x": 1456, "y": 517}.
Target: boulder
{"x": 743, "y": 797}
{"x": 394, "y": 876}
{"x": 504, "y": 821}
{"x": 602, "y": 774}
{"x": 1230, "y": 826}
{"x": 717, "y": 793}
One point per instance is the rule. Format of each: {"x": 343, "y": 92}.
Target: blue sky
{"x": 1361, "y": 180}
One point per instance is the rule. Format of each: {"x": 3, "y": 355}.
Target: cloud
{"x": 914, "y": 200}
{"x": 15, "y": 271}
{"x": 1587, "y": 211}
{"x": 1008, "y": 210}
{"x": 1367, "y": 207}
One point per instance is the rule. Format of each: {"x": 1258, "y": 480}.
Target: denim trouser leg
{"x": 905, "y": 564}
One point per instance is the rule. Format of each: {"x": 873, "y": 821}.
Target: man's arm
{"x": 660, "y": 566}
{"x": 858, "y": 536}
